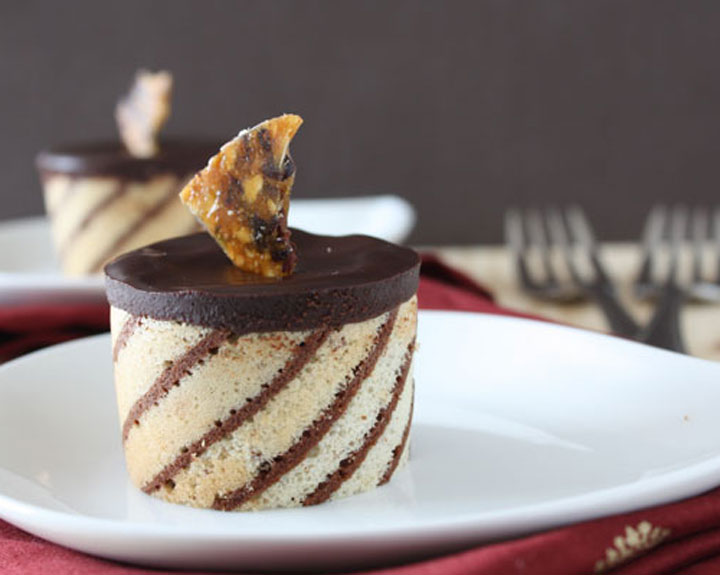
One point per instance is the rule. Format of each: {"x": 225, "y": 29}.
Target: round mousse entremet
{"x": 237, "y": 391}
{"x": 102, "y": 201}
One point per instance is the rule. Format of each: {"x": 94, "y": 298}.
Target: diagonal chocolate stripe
{"x": 272, "y": 471}
{"x": 398, "y": 450}
{"x": 304, "y": 353}
{"x": 128, "y": 328}
{"x": 171, "y": 376}
{"x": 117, "y": 192}
{"x": 157, "y": 209}
{"x": 350, "y": 464}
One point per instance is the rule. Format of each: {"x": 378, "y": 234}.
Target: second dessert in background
{"x": 104, "y": 199}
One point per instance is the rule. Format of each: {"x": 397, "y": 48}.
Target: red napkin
{"x": 681, "y": 537}
{"x": 26, "y": 328}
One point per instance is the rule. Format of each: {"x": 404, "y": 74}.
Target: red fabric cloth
{"x": 682, "y": 537}
{"x": 26, "y": 328}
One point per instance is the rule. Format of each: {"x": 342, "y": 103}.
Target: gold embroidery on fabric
{"x": 636, "y": 540}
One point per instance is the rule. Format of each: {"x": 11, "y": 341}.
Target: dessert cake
{"x": 101, "y": 201}
{"x": 237, "y": 391}
{"x": 253, "y": 371}
{"x": 104, "y": 199}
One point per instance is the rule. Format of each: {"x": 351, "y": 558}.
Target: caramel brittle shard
{"x": 142, "y": 113}
{"x": 242, "y": 197}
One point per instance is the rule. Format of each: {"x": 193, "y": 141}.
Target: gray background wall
{"x": 462, "y": 107}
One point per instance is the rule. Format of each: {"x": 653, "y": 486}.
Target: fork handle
{"x": 664, "y": 329}
{"x": 619, "y": 320}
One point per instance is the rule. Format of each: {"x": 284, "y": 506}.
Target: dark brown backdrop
{"x": 462, "y": 107}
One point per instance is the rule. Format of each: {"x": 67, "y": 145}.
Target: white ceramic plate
{"x": 29, "y": 271}
{"x": 519, "y": 426}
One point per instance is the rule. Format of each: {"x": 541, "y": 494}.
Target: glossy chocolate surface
{"x": 112, "y": 159}
{"x": 337, "y": 280}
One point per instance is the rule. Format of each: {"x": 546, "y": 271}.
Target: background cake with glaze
{"x": 102, "y": 201}
{"x": 237, "y": 391}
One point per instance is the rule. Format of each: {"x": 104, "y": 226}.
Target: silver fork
{"x": 567, "y": 233}
{"x": 667, "y": 232}
{"x": 672, "y": 229}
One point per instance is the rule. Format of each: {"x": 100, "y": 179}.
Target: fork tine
{"x": 665, "y": 329}
{"x": 559, "y": 237}
{"x": 652, "y": 238}
{"x": 581, "y": 227}
{"x": 538, "y": 238}
{"x": 678, "y": 227}
{"x": 514, "y": 232}
{"x": 654, "y": 226}
{"x": 699, "y": 235}
{"x": 516, "y": 240}
{"x": 583, "y": 232}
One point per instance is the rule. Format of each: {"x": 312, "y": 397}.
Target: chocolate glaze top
{"x": 337, "y": 280}
{"x": 112, "y": 159}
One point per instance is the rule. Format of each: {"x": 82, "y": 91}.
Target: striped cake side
{"x": 96, "y": 218}
{"x": 264, "y": 420}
